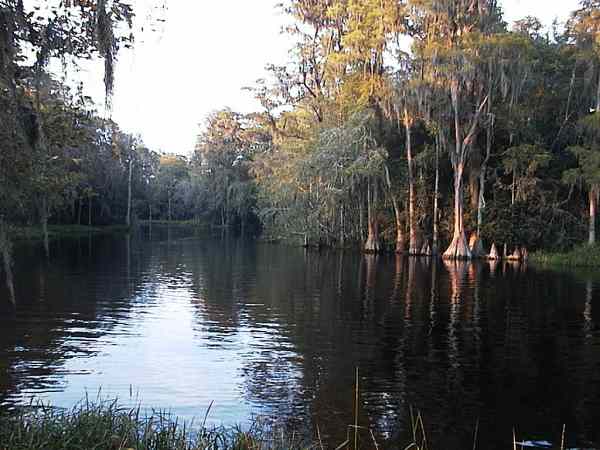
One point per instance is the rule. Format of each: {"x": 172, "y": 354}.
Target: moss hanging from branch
{"x": 107, "y": 46}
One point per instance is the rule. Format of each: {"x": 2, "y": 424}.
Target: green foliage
{"x": 523, "y": 163}
{"x": 587, "y": 172}
{"x": 221, "y": 165}
{"x": 329, "y": 174}
{"x": 579, "y": 256}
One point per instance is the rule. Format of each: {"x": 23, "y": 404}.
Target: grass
{"x": 580, "y": 256}
{"x": 103, "y": 425}
{"x": 35, "y": 233}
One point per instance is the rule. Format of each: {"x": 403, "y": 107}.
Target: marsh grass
{"x": 104, "y": 425}
{"x": 580, "y": 256}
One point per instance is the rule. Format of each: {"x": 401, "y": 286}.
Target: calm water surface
{"x": 174, "y": 321}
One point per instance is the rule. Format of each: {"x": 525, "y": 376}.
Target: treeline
{"x": 73, "y": 166}
{"x": 423, "y": 126}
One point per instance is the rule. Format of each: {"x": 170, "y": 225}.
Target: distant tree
{"x": 587, "y": 174}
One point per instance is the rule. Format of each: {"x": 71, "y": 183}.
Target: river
{"x": 169, "y": 319}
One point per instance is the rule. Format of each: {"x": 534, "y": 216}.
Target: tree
{"x": 222, "y": 159}
{"x": 172, "y": 170}
{"x": 588, "y": 171}
{"x": 583, "y": 30}
{"x": 453, "y": 38}
{"x": 522, "y": 162}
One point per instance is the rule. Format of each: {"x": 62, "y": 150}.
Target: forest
{"x": 415, "y": 126}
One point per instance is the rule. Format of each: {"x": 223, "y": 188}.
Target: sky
{"x": 202, "y": 56}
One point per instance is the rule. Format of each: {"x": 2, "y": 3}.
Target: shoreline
{"x": 582, "y": 256}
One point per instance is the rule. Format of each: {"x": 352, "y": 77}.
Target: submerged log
{"x": 494, "y": 253}
{"x": 476, "y": 246}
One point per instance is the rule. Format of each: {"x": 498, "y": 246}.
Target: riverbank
{"x": 107, "y": 426}
{"x": 35, "y": 233}
{"x": 580, "y": 256}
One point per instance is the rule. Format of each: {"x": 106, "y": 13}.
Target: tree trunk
{"x": 372, "y": 244}
{"x": 413, "y": 246}
{"x": 593, "y": 207}
{"x": 79, "y": 211}
{"x": 6, "y": 250}
{"x": 397, "y": 213}
{"x": 489, "y": 136}
{"x": 435, "y": 244}
{"x": 474, "y": 174}
{"x": 459, "y": 248}
{"x": 481, "y": 199}
{"x": 494, "y": 255}
{"x": 513, "y": 188}
{"x": 400, "y": 241}
{"x": 128, "y": 218}
{"x": 476, "y": 246}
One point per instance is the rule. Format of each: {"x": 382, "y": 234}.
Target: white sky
{"x": 207, "y": 52}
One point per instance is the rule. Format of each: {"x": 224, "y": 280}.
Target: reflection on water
{"x": 271, "y": 330}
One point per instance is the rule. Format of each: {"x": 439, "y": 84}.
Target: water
{"x": 176, "y": 321}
